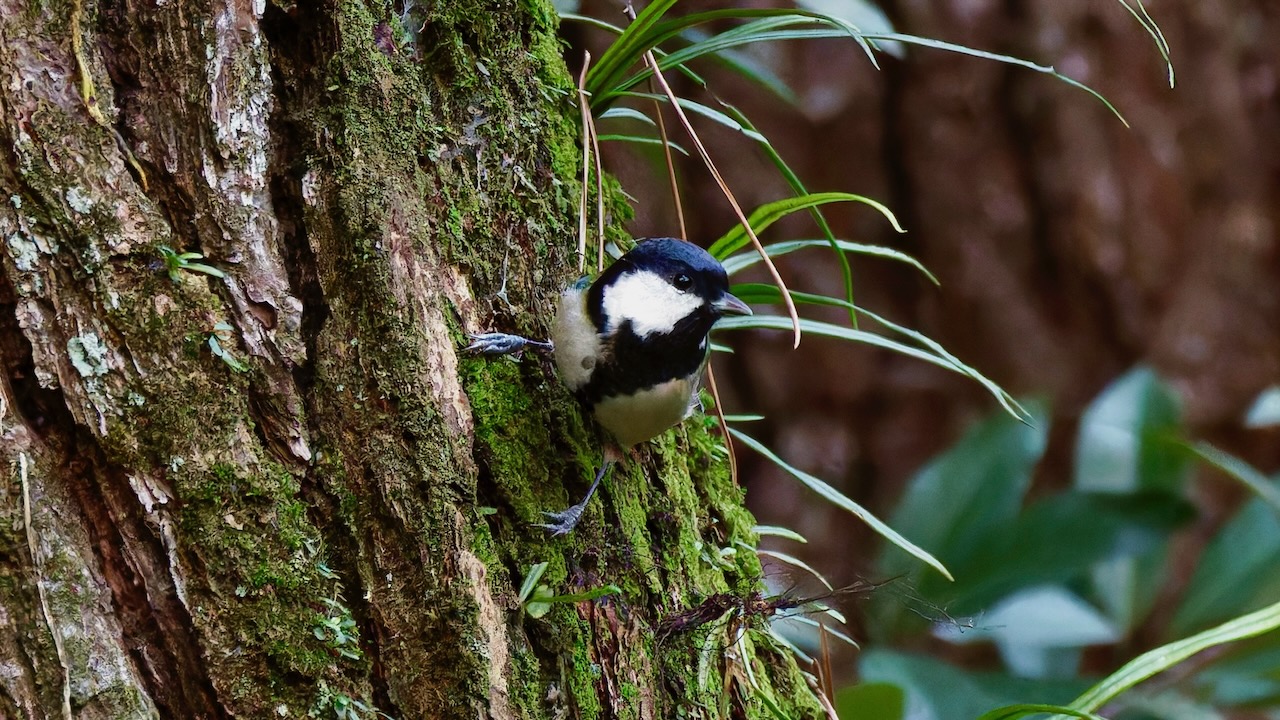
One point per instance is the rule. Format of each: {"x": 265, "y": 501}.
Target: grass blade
{"x": 1237, "y": 469}
{"x": 740, "y": 262}
{"x": 935, "y": 353}
{"x": 796, "y": 562}
{"x": 842, "y": 637}
{"x": 630, "y": 47}
{"x": 837, "y": 498}
{"x": 996, "y": 57}
{"x": 705, "y": 111}
{"x": 769, "y": 213}
{"x": 1162, "y": 658}
{"x": 626, "y": 113}
{"x": 642, "y": 140}
{"x": 1022, "y": 710}
{"x": 797, "y": 187}
{"x": 1144, "y": 19}
{"x": 779, "y": 531}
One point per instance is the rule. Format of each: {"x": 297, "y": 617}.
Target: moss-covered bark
{"x": 284, "y": 492}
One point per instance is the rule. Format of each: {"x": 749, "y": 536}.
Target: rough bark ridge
{"x": 283, "y": 492}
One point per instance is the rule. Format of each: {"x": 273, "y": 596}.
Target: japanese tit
{"x": 632, "y": 345}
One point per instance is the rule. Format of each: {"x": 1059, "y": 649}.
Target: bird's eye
{"x": 682, "y": 282}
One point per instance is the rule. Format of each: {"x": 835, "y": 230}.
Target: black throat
{"x": 631, "y": 363}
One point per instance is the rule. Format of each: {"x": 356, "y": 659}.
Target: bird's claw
{"x": 496, "y": 343}
{"x": 564, "y": 521}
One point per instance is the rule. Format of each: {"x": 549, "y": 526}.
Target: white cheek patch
{"x": 651, "y": 303}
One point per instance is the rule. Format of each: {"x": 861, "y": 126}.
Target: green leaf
{"x": 997, "y": 57}
{"x": 871, "y": 701}
{"x": 1030, "y": 551}
{"x": 705, "y": 111}
{"x": 979, "y": 484}
{"x": 1265, "y": 411}
{"x": 936, "y": 690}
{"x": 531, "y": 581}
{"x": 754, "y": 69}
{"x": 777, "y": 531}
{"x": 641, "y": 140}
{"x": 628, "y": 48}
{"x": 835, "y": 497}
{"x": 1167, "y": 656}
{"x": 859, "y": 13}
{"x": 776, "y": 25}
{"x": 763, "y": 29}
{"x": 798, "y": 188}
{"x": 741, "y": 261}
{"x": 1125, "y": 437}
{"x": 1239, "y": 470}
{"x": 1126, "y": 443}
{"x": 539, "y": 602}
{"x": 206, "y": 269}
{"x": 769, "y": 213}
{"x": 933, "y": 354}
{"x": 592, "y": 594}
{"x": 626, "y": 113}
{"x": 1039, "y": 631}
{"x": 1013, "y": 712}
{"x": 819, "y": 626}
{"x": 1236, "y": 571}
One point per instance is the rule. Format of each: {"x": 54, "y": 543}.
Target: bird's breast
{"x": 645, "y": 414}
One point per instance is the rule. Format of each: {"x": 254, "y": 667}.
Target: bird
{"x": 632, "y": 345}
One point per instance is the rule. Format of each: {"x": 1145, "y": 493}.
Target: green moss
{"x": 461, "y": 152}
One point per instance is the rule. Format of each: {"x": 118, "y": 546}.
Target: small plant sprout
{"x": 340, "y": 705}
{"x": 338, "y": 629}
{"x": 175, "y": 262}
{"x": 220, "y": 333}
{"x": 538, "y": 598}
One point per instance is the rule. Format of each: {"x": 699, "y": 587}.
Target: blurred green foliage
{"x": 1089, "y": 566}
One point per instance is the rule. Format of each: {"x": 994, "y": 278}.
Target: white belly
{"x": 632, "y": 419}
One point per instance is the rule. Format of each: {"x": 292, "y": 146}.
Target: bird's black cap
{"x": 668, "y": 257}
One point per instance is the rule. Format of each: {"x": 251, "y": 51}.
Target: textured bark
{"x": 177, "y": 530}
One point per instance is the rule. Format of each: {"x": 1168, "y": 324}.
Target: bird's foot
{"x": 496, "y": 343}
{"x": 564, "y": 521}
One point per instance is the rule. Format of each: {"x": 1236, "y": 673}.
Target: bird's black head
{"x": 661, "y": 286}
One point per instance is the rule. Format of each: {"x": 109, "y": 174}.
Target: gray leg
{"x": 565, "y": 520}
{"x": 504, "y": 344}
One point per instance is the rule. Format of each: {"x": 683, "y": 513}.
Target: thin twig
{"x": 595, "y": 148}
{"x": 585, "y": 110}
{"x": 671, "y": 167}
{"x": 724, "y": 423}
{"x": 827, "y": 683}
{"x": 823, "y": 700}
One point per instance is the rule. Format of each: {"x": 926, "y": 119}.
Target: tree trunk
{"x": 284, "y": 492}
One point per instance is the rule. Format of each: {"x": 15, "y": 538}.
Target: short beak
{"x": 730, "y": 305}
